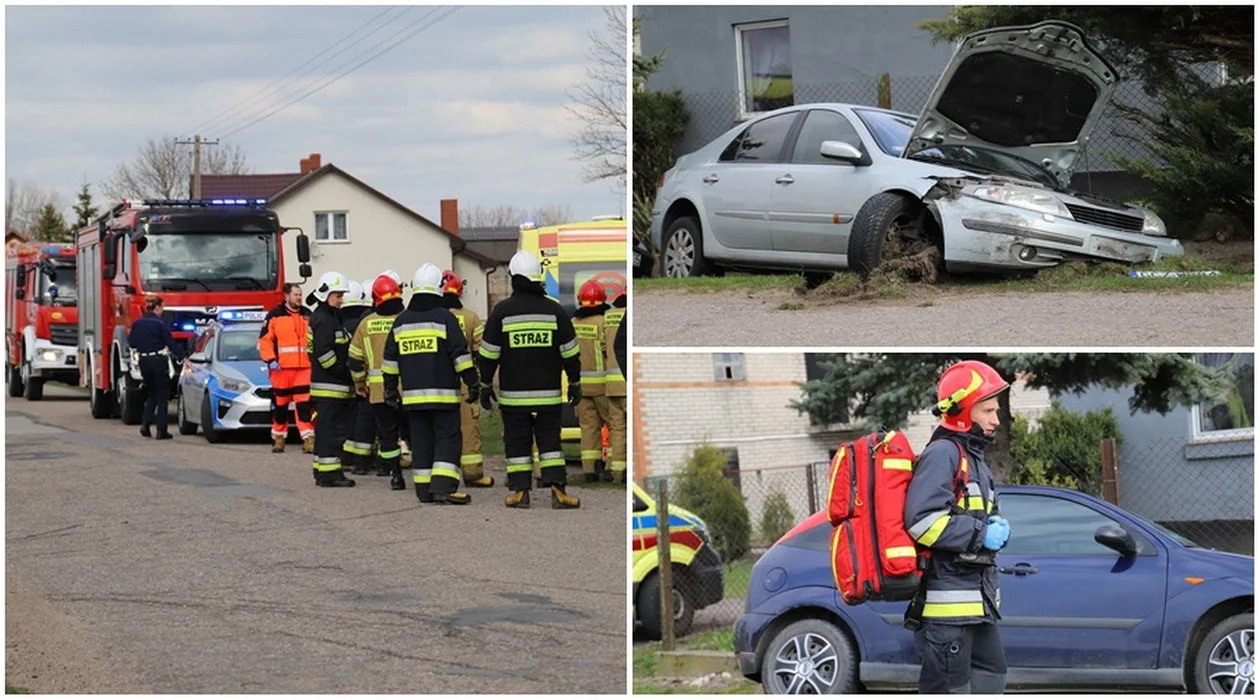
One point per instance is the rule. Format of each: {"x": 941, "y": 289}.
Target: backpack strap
{"x": 962, "y": 476}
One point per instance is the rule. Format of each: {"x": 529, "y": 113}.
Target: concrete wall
{"x": 379, "y": 237}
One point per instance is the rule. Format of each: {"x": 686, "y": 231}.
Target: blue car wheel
{"x": 810, "y": 657}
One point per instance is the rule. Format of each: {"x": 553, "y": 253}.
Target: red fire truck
{"x": 41, "y": 331}
{"x": 207, "y": 259}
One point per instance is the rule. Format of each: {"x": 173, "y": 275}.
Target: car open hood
{"x": 1036, "y": 92}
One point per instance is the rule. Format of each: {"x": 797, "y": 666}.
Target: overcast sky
{"x": 471, "y": 108}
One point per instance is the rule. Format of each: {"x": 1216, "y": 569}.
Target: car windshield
{"x": 892, "y": 133}
{"x": 210, "y": 260}
{"x": 238, "y": 345}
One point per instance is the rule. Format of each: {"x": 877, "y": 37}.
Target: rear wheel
{"x": 649, "y": 605}
{"x": 213, "y": 434}
{"x": 100, "y": 401}
{"x": 181, "y": 415}
{"x": 684, "y": 250}
{"x": 810, "y": 657}
{"x": 16, "y": 388}
{"x": 129, "y": 397}
{"x": 1225, "y": 663}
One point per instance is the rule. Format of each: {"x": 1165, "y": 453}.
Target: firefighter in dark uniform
{"x": 950, "y": 511}
{"x": 356, "y": 453}
{"x": 152, "y": 340}
{"x": 531, "y": 339}
{"x": 331, "y": 386}
{"x": 424, "y": 360}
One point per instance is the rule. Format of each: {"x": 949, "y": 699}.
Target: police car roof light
{"x": 217, "y": 202}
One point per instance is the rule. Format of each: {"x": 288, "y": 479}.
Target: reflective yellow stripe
{"x": 488, "y": 354}
{"x": 953, "y": 610}
{"x": 329, "y": 394}
{"x": 933, "y": 533}
{"x": 894, "y": 552}
{"x": 448, "y": 473}
{"x": 902, "y": 464}
{"x": 591, "y": 454}
{"x": 327, "y": 466}
{"x": 463, "y": 366}
{"x": 548, "y": 401}
{"x": 972, "y": 503}
{"x": 429, "y": 399}
{"x": 470, "y": 458}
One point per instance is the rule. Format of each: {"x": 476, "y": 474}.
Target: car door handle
{"x": 711, "y": 178}
{"x": 785, "y": 179}
{"x": 1020, "y": 569}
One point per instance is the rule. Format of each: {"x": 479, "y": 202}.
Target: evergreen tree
{"x": 83, "y": 208}
{"x": 50, "y": 226}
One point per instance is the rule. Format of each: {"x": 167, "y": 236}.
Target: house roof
{"x": 499, "y": 251}
{"x": 284, "y": 185}
{"x": 490, "y": 233}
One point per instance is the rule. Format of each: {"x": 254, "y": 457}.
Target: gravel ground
{"x": 1044, "y": 319}
{"x": 181, "y": 567}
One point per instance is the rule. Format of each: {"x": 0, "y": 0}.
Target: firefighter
{"x": 282, "y": 345}
{"x": 357, "y": 454}
{"x": 532, "y": 339}
{"x": 950, "y": 512}
{"x": 152, "y": 340}
{"x": 593, "y": 412}
{"x": 367, "y": 349}
{"x": 470, "y": 460}
{"x": 404, "y": 441}
{"x": 332, "y": 389}
{"x": 615, "y": 386}
{"x": 424, "y": 360}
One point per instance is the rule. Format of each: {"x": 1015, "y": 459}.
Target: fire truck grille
{"x": 65, "y": 334}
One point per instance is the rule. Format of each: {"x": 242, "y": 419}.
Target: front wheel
{"x": 34, "y": 385}
{"x": 213, "y": 434}
{"x": 880, "y": 221}
{"x": 181, "y": 413}
{"x": 130, "y": 400}
{"x": 1225, "y": 663}
{"x": 649, "y": 606}
{"x": 684, "y": 250}
{"x": 810, "y": 657}
{"x": 16, "y": 388}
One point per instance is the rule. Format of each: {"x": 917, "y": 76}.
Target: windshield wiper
{"x": 958, "y": 163}
{"x": 163, "y": 280}
{"x": 252, "y": 280}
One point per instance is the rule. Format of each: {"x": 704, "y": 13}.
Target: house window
{"x": 330, "y": 226}
{"x": 764, "y": 57}
{"x": 728, "y": 366}
{"x": 731, "y": 470}
{"x": 1231, "y": 415}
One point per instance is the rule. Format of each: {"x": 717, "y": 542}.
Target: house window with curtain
{"x": 330, "y": 227}
{"x": 1231, "y": 415}
{"x": 763, "y": 55}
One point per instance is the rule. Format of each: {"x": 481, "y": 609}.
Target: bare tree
{"x": 478, "y": 216}
{"x": 23, "y": 202}
{"x": 599, "y": 102}
{"x": 163, "y": 169}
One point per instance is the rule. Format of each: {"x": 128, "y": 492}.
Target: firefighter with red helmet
{"x": 367, "y": 351}
{"x": 593, "y": 412}
{"x": 951, "y": 513}
{"x": 470, "y": 460}
{"x": 615, "y": 386}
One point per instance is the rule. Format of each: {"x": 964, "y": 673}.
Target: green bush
{"x": 1064, "y": 448}
{"x": 660, "y": 118}
{"x": 776, "y": 517}
{"x": 702, "y": 489}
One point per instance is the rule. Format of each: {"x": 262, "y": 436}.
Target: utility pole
{"x": 197, "y": 143}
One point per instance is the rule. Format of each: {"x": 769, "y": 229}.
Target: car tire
{"x": 213, "y": 435}
{"x": 181, "y": 417}
{"x": 871, "y": 227}
{"x": 100, "y": 402}
{"x": 683, "y": 252}
{"x": 15, "y": 382}
{"x": 649, "y": 606}
{"x": 34, "y": 389}
{"x": 1230, "y": 642}
{"x": 833, "y": 668}
{"x": 130, "y": 400}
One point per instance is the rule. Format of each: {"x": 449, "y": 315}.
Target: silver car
{"x": 981, "y": 174}
{"x": 224, "y": 384}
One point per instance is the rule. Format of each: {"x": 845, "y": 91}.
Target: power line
{"x": 445, "y": 13}
{"x": 236, "y": 108}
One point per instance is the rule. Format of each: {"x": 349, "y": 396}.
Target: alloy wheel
{"x": 1232, "y": 664}
{"x": 806, "y": 665}
{"x": 680, "y": 254}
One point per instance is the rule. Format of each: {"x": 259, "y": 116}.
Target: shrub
{"x": 1064, "y": 448}
{"x": 703, "y": 489}
{"x": 660, "y": 118}
{"x": 776, "y": 517}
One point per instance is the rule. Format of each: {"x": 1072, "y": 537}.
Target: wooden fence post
{"x": 884, "y": 86}
{"x": 664, "y": 568}
{"x": 1110, "y": 472}
{"x": 809, "y": 488}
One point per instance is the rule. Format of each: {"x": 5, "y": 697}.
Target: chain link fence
{"x": 1201, "y": 490}
{"x": 712, "y": 113}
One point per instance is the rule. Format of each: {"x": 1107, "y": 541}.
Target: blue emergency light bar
{"x": 230, "y": 316}
{"x": 56, "y": 249}
{"x": 225, "y": 202}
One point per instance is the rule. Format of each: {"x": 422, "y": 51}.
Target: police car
{"x": 224, "y": 384}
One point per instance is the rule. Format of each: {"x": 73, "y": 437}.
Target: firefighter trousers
{"x": 617, "y": 433}
{"x": 470, "y": 460}
{"x": 291, "y": 386}
{"x": 521, "y": 429}
{"x": 155, "y": 370}
{"x": 960, "y": 659}
{"x": 357, "y": 449}
{"x": 333, "y": 424}
{"x": 593, "y": 414}
{"x": 435, "y": 442}
{"x": 386, "y": 427}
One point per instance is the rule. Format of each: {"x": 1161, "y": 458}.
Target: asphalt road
{"x": 1036, "y": 320}
{"x": 182, "y": 567}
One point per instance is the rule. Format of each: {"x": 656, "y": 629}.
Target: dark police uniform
{"x": 150, "y": 337}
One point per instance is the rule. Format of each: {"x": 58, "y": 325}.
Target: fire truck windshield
{"x": 67, "y": 291}
{"x": 215, "y": 261}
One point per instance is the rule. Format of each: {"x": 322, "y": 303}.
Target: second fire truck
{"x": 207, "y": 259}
{"x": 41, "y": 331}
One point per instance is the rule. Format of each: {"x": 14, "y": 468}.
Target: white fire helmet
{"x": 355, "y": 296}
{"x": 428, "y": 280}
{"x": 330, "y": 282}
{"x": 525, "y": 264}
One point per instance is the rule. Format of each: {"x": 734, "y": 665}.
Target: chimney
{"x": 310, "y": 164}
{"x": 450, "y": 215}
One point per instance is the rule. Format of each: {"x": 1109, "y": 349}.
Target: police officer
{"x": 470, "y": 460}
{"x": 950, "y": 511}
{"x": 152, "y": 340}
{"x": 356, "y": 453}
{"x": 593, "y": 412}
{"x": 615, "y": 386}
{"x": 331, "y": 386}
{"x": 531, "y": 338}
{"x": 424, "y": 360}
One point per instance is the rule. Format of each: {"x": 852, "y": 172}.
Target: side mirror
{"x": 109, "y": 272}
{"x": 304, "y": 271}
{"x": 20, "y": 279}
{"x": 303, "y": 247}
{"x": 110, "y": 249}
{"x": 51, "y": 274}
{"x": 840, "y": 150}
{"x": 1117, "y": 538}
{"x": 198, "y": 358}
{"x": 141, "y": 244}
{"x": 20, "y": 293}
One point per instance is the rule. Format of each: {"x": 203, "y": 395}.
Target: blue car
{"x": 224, "y": 384}
{"x": 1097, "y": 599}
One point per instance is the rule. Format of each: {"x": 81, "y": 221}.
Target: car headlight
{"x": 234, "y": 385}
{"x": 51, "y": 355}
{"x": 1152, "y": 225}
{"x": 1022, "y": 197}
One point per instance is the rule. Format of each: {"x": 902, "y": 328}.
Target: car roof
{"x": 254, "y": 326}
{"x": 832, "y": 105}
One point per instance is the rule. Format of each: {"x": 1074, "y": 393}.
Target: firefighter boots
{"x": 484, "y": 481}
{"x": 277, "y": 444}
{"x": 396, "y": 482}
{"x": 458, "y": 498}
{"x": 562, "y": 500}
{"x": 385, "y": 468}
{"x": 362, "y": 465}
{"x": 423, "y": 494}
{"x": 334, "y": 479}
{"x": 308, "y": 445}
{"x": 517, "y": 499}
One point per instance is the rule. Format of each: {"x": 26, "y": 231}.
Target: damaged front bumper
{"x": 980, "y": 235}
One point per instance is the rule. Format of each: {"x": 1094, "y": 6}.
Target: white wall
{"x": 476, "y": 286}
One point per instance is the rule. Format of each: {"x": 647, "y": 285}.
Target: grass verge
{"x": 731, "y": 281}
{"x": 737, "y": 577}
{"x": 14, "y": 690}
{"x": 644, "y": 660}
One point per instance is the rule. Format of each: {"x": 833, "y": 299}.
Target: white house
{"x": 356, "y": 229}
